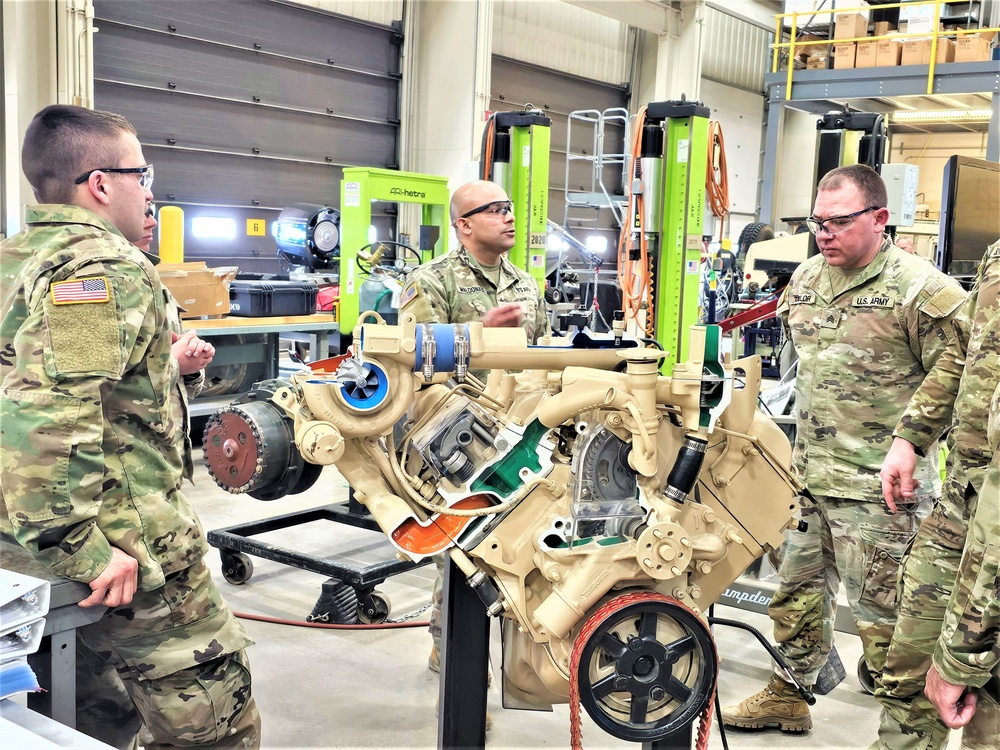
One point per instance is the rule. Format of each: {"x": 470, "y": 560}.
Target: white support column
{"x": 29, "y": 85}
{"x": 446, "y": 72}
{"x": 670, "y": 66}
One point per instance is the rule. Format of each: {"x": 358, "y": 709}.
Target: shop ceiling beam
{"x": 649, "y": 15}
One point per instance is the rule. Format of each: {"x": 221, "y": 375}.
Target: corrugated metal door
{"x": 247, "y": 106}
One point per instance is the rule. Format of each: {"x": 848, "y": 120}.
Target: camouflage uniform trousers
{"x": 853, "y": 542}
{"x": 167, "y": 647}
{"x": 909, "y": 720}
{"x": 983, "y": 731}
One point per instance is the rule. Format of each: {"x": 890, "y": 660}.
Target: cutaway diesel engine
{"x": 597, "y": 506}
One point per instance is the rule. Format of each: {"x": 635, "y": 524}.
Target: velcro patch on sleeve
{"x": 944, "y": 301}
{"x": 409, "y": 294}
{"x": 91, "y": 290}
{"x": 86, "y": 338}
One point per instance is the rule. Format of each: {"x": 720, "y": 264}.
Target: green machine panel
{"x": 360, "y": 187}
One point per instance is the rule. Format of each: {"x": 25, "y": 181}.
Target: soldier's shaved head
{"x": 62, "y": 142}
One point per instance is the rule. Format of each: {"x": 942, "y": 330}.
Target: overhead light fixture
{"x": 213, "y": 228}
{"x": 942, "y": 115}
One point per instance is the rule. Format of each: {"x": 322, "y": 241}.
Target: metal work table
{"x": 262, "y": 348}
{"x": 55, "y": 661}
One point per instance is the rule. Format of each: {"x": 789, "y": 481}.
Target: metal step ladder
{"x": 588, "y": 140}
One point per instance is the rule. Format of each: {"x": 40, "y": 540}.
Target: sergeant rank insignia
{"x": 80, "y": 291}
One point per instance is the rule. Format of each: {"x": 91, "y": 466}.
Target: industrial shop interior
{"x": 540, "y": 340}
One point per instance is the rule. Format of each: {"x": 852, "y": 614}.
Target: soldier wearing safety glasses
{"x": 868, "y": 321}
{"x": 95, "y": 441}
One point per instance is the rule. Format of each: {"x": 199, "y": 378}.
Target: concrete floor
{"x": 372, "y": 689}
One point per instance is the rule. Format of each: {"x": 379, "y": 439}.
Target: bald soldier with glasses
{"x": 868, "y": 321}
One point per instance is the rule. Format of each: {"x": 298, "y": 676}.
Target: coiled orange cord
{"x": 717, "y": 174}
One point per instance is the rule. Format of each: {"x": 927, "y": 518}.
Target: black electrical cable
{"x": 806, "y": 694}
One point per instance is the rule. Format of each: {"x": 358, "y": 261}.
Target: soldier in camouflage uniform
{"x": 909, "y": 720}
{"x": 869, "y": 321}
{"x": 94, "y": 434}
{"x": 475, "y": 283}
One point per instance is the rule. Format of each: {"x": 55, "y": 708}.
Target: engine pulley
{"x": 644, "y": 667}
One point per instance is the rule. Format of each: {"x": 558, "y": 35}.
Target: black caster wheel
{"x": 373, "y": 607}
{"x": 236, "y": 567}
{"x": 865, "y": 677}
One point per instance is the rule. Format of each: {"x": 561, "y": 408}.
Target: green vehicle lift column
{"x": 526, "y": 179}
{"x": 678, "y": 262}
{"x": 361, "y": 186}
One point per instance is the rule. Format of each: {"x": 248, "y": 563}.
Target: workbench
{"x": 262, "y": 346}
{"x": 55, "y": 661}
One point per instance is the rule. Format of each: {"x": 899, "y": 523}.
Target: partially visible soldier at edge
{"x": 930, "y": 598}
{"x": 102, "y": 406}
{"x": 869, "y": 321}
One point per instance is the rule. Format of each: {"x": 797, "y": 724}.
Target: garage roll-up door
{"x": 247, "y": 106}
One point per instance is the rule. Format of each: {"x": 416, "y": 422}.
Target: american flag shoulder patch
{"x": 80, "y": 291}
{"x": 409, "y": 295}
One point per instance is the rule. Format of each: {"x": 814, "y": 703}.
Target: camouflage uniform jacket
{"x": 93, "y": 419}
{"x": 455, "y": 289}
{"x": 977, "y": 346}
{"x": 862, "y": 354}
{"x": 968, "y": 650}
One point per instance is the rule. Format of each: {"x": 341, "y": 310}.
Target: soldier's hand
{"x": 953, "y": 704}
{"x": 116, "y": 584}
{"x": 507, "y": 315}
{"x": 897, "y": 473}
{"x": 192, "y": 353}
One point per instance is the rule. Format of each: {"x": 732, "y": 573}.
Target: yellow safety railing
{"x": 794, "y": 45}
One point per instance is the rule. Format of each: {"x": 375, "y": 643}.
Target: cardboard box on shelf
{"x": 972, "y": 48}
{"x": 843, "y": 55}
{"x": 865, "y": 55}
{"x": 849, "y": 4}
{"x": 201, "y": 291}
{"x": 883, "y": 27}
{"x": 818, "y": 62}
{"x": 849, "y": 26}
{"x": 918, "y": 51}
{"x": 888, "y": 53}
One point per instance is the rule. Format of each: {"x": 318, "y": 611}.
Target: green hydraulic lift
{"x": 520, "y": 164}
{"x": 674, "y": 155}
{"x": 359, "y": 188}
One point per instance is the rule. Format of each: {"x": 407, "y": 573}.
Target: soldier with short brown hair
{"x": 95, "y": 439}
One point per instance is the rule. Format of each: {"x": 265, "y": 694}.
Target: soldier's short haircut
{"x": 868, "y": 182}
{"x": 62, "y": 142}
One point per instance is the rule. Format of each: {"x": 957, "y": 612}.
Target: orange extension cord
{"x": 635, "y": 276}
{"x": 331, "y": 626}
{"x": 717, "y": 175}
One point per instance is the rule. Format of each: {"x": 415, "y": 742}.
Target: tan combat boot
{"x": 779, "y": 704}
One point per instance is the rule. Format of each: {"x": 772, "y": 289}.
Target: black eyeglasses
{"x": 836, "y": 224}
{"x": 494, "y": 208}
{"x": 145, "y": 174}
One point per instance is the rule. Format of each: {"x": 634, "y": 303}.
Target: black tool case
{"x": 263, "y": 299}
